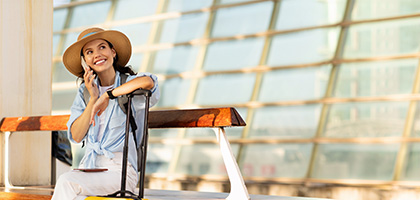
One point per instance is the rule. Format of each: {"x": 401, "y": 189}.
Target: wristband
{"x": 110, "y": 95}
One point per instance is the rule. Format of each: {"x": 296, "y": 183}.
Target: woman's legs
{"x": 76, "y": 183}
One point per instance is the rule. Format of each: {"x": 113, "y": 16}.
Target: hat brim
{"x": 120, "y": 42}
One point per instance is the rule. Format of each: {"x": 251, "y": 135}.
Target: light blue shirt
{"x": 115, "y": 120}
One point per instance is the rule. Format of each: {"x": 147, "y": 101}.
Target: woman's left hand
{"x": 99, "y": 107}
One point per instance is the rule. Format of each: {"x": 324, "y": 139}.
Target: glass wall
{"x": 329, "y": 88}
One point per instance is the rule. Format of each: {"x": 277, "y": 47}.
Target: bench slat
{"x": 182, "y": 118}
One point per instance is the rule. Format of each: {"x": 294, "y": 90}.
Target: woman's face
{"x": 99, "y": 55}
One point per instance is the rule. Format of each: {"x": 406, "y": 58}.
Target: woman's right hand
{"x": 89, "y": 78}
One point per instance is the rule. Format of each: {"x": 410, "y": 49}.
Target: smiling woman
{"x": 99, "y": 58}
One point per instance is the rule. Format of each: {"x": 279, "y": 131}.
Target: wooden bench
{"x": 217, "y": 118}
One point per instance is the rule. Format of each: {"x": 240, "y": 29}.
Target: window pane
{"x": 415, "y": 131}
{"x": 355, "y": 161}
{"x": 234, "y": 54}
{"x": 367, "y": 119}
{"x": 225, "y": 89}
{"x": 62, "y": 100}
{"x": 285, "y": 122}
{"x": 135, "y": 61}
{"x": 202, "y": 159}
{"x": 232, "y": 1}
{"x": 276, "y": 160}
{"x": 158, "y": 158}
{"x": 176, "y": 60}
{"x": 304, "y": 13}
{"x": 137, "y": 33}
{"x": 127, "y": 9}
{"x": 164, "y": 133}
{"x": 376, "y": 78}
{"x": 56, "y": 40}
{"x": 411, "y": 170}
{"x": 70, "y": 39}
{"x": 371, "y": 9}
{"x": 90, "y": 14}
{"x": 185, "y": 28}
{"x": 59, "y": 18}
{"x": 173, "y": 92}
{"x": 295, "y": 84}
{"x": 245, "y": 19}
{"x": 303, "y": 47}
{"x": 383, "y": 38}
{"x": 61, "y": 74}
{"x": 187, "y": 5}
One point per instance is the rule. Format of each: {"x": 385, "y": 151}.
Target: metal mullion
{"x": 411, "y": 113}
{"x": 73, "y": 3}
{"x": 259, "y": 77}
{"x": 111, "y": 13}
{"x": 331, "y": 84}
{"x": 193, "y": 87}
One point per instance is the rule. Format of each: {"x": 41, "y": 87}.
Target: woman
{"x": 99, "y": 57}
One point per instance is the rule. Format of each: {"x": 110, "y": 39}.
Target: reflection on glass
{"x": 285, "y": 122}
{"x": 202, "y": 159}
{"x": 176, "y": 60}
{"x": 225, "y": 89}
{"x": 411, "y": 170}
{"x": 366, "y": 119}
{"x": 355, "y": 161}
{"x": 187, "y": 5}
{"x": 371, "y": 9}
{"x": 173, "y": 92}
{"x": 276, "y": 160}
{"x": 126, "y": 9}
{"x": 90, "y": 14}
{"x": 158, "y": 158}
{"x": 245, "y": 19}
{"x": 295, "y": 84}
{"x": 303, "y": 47}
{"x": 305, "y": 13}
{"x": 59, "y": 18}
{"x": 137, "y": 33}
{"x": 376, "y": 78}
{"x": 185, "y": 28}
{"x": 383, "y": 38}
{"x": 234, "y": 54}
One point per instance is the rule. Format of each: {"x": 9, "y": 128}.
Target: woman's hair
{"x": 122, "y": 69}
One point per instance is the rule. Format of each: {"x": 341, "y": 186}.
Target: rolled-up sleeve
{"x": 155, "y": 90}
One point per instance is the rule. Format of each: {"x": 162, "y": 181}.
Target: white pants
{"x": 78, "y": 185}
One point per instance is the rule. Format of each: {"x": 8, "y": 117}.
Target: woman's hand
{"x": 89, "y": 78}
{"x": 99, "y": 107}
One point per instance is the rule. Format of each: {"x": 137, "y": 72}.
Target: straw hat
{"x": 120, "y": 42}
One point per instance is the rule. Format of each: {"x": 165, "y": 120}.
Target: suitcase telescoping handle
{"x": 143, "y": 144}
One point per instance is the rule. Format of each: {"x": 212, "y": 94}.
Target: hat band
{"x": 91, "y": 33}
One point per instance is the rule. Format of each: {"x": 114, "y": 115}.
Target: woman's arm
{"x": 81, "y": 125}
{"x": 101, "y": 104}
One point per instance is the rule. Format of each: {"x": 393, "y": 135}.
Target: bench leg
{"x": 238, "y": 189}
{"x": 7, "y": 183}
